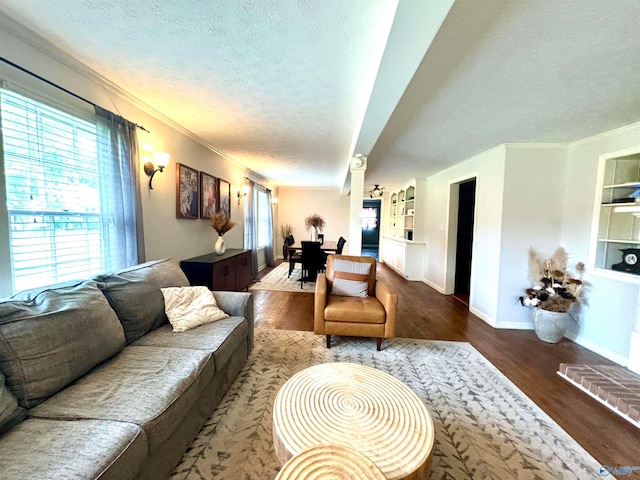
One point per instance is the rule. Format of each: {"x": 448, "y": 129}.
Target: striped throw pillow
{"x": 350, "y": 279}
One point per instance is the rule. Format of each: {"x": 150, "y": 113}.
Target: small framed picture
{"x": 186, "y": 192}
{"x": 224, "y": 192}
{"x": 208, "y": 195}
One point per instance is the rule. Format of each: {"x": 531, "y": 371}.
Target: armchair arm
{"x": 389, "y": 301}
{"x": 319, "y": 304}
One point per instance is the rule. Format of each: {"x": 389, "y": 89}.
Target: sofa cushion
{"x": 134, "y": 293}
{"x": 221, "y": 338}
{"x": 10, "y": 412}
{"x": 354, "y": 310}
{"x": 190, "y": 307}
{"x": 54, "y": 338}
{"x": 47, "y": 449}
{"x": 153, "y": 387}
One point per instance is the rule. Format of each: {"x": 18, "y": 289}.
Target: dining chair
{"x": 312, "y": 261}
{"x": 340, "y": 246}
{"x": 288, "y": 241}
{"x": 294, "y": 256}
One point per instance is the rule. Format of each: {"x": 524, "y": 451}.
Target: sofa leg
{"x": 378, "y": 344}
{"x": 328, "y": 341}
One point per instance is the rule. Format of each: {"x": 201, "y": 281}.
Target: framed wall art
{"x": 224, "y": 189}
{"x": 186, "y": 192}
{"x": 208, "y": 195}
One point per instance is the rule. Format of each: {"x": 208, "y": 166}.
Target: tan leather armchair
{"x": 373, "y": 316}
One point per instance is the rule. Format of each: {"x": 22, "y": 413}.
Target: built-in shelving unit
{"x": 403, "y": 207}
{"x": 403, "y": 236}
{"x": 617, "y": 242}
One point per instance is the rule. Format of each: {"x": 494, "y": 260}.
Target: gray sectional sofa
{"x": 95, "y": 384}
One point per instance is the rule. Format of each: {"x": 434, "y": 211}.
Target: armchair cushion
{"x": 350, "y": 279}
{"x": 354, "y": 310}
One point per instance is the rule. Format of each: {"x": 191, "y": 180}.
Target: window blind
{"x": 53, "y": 192}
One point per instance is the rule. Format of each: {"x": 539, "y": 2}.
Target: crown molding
{"x": 38, "y": 43}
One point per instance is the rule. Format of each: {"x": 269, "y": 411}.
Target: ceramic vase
{"x": 220, "y": 247}
{"x": 550, "y": 327}
{"x": 314, "y": 234}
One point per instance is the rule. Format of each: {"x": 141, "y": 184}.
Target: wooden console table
{"x": 229, "y": 271}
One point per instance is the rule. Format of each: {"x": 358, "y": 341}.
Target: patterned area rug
{"x": 277, "y": 279}
{"x": 485, "y": 428}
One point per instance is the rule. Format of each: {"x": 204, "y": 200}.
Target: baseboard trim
{"x": 515, "y": 325}
{"x": 435, "y": 286}
{"x": 614, "y": 357}
{"x": 484, "y": 317}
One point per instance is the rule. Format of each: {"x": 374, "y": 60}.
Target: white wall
{"x": 609, "y": 317}
{"x": 532, "y": 216}
{"x": 540, "y": 196}
{"x": 489, "y": 169}
{"x": 295, "y": 204}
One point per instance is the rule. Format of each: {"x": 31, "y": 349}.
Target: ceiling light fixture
{"x": 376, "y": 192}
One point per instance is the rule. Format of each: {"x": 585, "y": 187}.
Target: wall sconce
{"x": 162, "y": 160}
{"x": 242, "y": 192}
{"x": 274, "y": 200}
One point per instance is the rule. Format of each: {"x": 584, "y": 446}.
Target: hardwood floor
{"x": 528, "y": 362}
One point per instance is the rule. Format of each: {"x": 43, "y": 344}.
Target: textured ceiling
{"x": 277, "y": 85}
{"x": 281, "y": 86}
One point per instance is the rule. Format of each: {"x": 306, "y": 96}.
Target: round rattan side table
{"x": 357, "y": 407}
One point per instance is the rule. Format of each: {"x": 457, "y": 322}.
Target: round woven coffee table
{"x": 329, "y": 461}
{"x": 358, "y": 407}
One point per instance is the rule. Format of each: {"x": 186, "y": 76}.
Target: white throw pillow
{"x": 350, "y": 279}
{"x": 190, "y": 307}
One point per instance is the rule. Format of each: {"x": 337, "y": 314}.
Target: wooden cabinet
{"x": 243, "y": 270}
{"x": 230, "y": 271}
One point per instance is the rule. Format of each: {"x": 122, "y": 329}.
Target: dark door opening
{"x": 464, "y": 245}
{"x": 370, "y": 227}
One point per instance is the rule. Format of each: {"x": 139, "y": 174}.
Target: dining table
{"x": 327, "y": 246}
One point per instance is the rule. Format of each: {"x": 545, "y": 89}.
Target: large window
{"x": 263, "y": 219}
{"x": 53, "y": 192}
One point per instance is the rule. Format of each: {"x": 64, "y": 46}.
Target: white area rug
{"x": 277, "y": 279}
{"x": 485, "y": 427}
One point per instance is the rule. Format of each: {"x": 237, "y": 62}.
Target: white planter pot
{"x": 550, "y": 327}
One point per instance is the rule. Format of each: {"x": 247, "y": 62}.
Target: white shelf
{"x": 624, "y": 242}
{"x": 619, "y": 204}
{"x": 624, "y": 185}
{"x": 616, "y": 223}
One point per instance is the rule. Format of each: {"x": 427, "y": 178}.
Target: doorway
{"x": 464, "y": 240}
{"x": 370, "y": 228}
